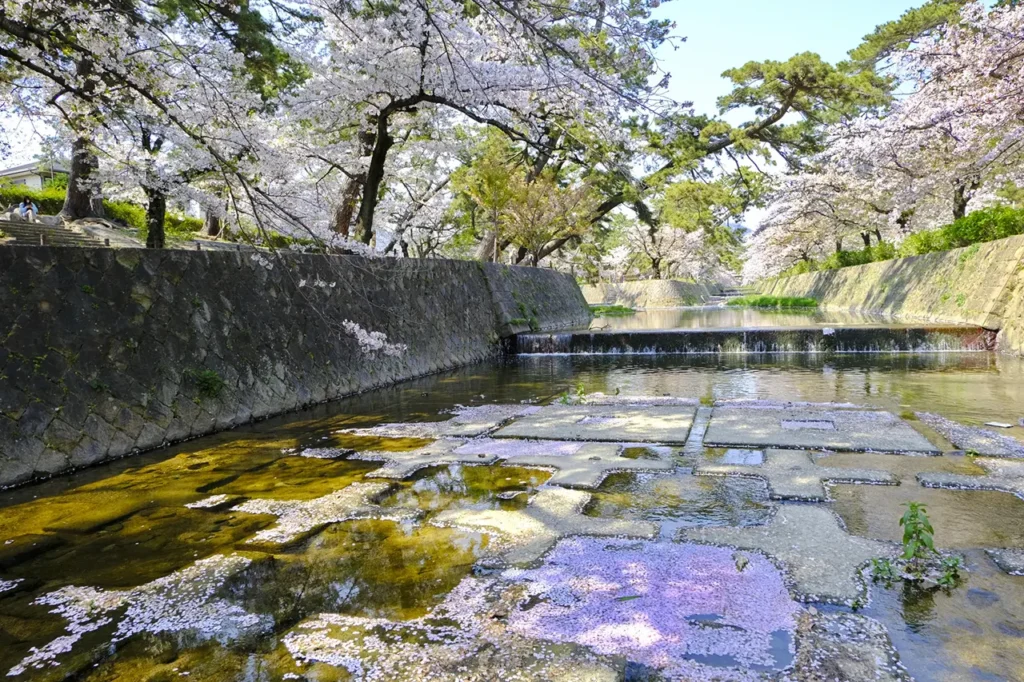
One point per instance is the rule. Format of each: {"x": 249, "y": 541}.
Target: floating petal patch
{"x": 180, "y": 602}
{"x": 8, "y": 585}
{"x": 673, "y": 607}
{"x": 209, "y": 502}
{"x": 299, "y": 519}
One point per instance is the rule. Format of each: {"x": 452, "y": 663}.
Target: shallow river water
{"x": 117, "y": 533}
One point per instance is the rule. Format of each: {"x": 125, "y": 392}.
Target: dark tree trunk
{"x": 839, "y": 245}
{"x": 156, "y": 212}
{"x": 374, "y": 178}
{"x": 878, "y": 235}
{"x": 656, "y": 267}
{"x": 83, "y": 200}
{"x": 959, "y": 201}
{"x": 213, "y": 225}
{"x": 866, "y": 237}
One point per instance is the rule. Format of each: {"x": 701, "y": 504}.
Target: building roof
{"x": 39, "y": 167}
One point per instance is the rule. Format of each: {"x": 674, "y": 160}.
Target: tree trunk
{"x": 839, "y": 245}
{"x": 959, "y": 201}
{"x": 878, "y": 235}
{"x": 156, "y": 212}
{"x": 83, "y": 200}
{"x": 374, "y": 178}
{"x": 213, "y": 225}
{"x": 656, "y": 267}
{"x": 866, "y": 237}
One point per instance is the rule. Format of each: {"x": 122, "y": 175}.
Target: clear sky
{"x": 721, "y": 34}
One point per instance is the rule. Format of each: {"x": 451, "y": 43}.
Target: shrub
{"x": 924, "y": 242}
{"x": 50, "y": 200}
{"x": 985, "y": 225}
{"x": 131, "y": 215}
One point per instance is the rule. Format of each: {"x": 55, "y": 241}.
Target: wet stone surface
{"x": 1009, "y": 560}
{"x": 814, "y": 429}
{"x": 1003, "y": 475}
{"x": 551, "y": 514}
{"x": 795, "y": 475}
{"x": 973, "y": 438}
{"x": 288, "y": 558}
{"x": 822, "y": 560}
{"x": 576, "y": 464}
{"x": 657, "y": 424}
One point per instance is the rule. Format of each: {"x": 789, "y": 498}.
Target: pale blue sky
{"x": 725, "y": 33}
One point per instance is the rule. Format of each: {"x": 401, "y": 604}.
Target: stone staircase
{"x": 39, "y": 234}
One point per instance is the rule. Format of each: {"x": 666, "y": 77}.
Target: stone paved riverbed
{"x": 528, "y": 539}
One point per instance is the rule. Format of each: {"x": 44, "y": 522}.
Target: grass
{"x": 774, "y": 302}
{"x": 611, "y": 310}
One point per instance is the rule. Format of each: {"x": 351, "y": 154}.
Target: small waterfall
{"x": 759, "y": 341}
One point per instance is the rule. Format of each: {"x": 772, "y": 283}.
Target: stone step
{"x": 52, "y": 235}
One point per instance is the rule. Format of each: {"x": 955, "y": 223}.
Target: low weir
{"x": 873, "y": 339}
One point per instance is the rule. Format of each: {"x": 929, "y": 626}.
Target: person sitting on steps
{"x": 28, "y": 210}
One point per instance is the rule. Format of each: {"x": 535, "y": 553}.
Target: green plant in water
{"x": 951, "y": 567}
{"x": 209, "y": 383}
{"x": 611, "y": 310}
{"x": 918, "y": 534}
{"x": 773, "y": 302}
{"x": 708, "y": 399}
{"x": 884, "y": 570}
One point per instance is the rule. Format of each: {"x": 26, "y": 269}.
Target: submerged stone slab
{"x": 655, "y": 424}
{"x": 1004, "y": 475}
{"x": 794, "y": 475}
{"x": 822, "y": 560}
{"x": 1009, "y": 560}
{"x": 297, "y": 519}
{"x": 844, "y": 647}
{"x": 973, "y": 438}
{"x": 468, "y": 422}
{"x": 814, "y": 429}
{"x": 551, "y": 514}
{"x": 576, "y": 464}
{"x": 465, "y": 638}
{"x": 438, "y": 453}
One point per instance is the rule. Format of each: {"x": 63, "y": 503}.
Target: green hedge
{"x": 984, "y": 225}
{"x": 50, "y": 201}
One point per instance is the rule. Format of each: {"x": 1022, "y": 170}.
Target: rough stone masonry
{"x": 105, "y": 352}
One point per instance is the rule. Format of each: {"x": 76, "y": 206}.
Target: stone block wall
{"x": 980, "y": 285}
{"x": 649, "y": 293}
{"x": 105, "y": 352}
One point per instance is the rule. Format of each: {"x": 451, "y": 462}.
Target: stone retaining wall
{"x": 981, "y": 285}
{"x": 106, "y": 352}
{"x": 649, "y": 293}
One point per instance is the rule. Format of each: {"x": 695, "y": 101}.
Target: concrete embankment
{"x": 979, "y": 285}
{"x": 107, "y": 352}
{"x": 650, "y": 293}
{"x": 925, "y": 338}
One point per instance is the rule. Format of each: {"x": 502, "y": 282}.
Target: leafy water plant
{"x": 918, "y": 534}
{"x": 773, "y": 302}
{"x": 611, "y": 310}
{"x": 579, "y": 397}
{"x": 920, "y": 561}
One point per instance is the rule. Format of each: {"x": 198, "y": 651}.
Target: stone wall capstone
{"x": 107, "y": 352}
